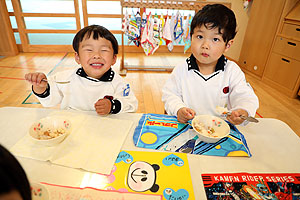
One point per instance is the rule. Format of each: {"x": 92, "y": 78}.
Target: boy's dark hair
{"x": 98, "y": 31}
{"x": 216, "y": 16}
{"x": 12, "y": 175}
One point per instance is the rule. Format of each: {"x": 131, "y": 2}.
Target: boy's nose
{"x": 205, "y": 45}
{"x": 97, "y": 56}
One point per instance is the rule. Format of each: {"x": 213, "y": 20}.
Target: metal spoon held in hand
{"x": 249, "y": 119}
{"x": 59, "y": 82}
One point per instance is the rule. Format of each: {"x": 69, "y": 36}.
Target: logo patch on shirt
{"x": 126, "y": 90}
{"x": 225, "y": 90}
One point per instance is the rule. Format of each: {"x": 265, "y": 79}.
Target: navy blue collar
{"x": 106, "y": 77}
{"x": 192, "y": 64}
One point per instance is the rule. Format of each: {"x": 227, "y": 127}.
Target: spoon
{"x": 249, "y": 119}
{"x": 188, "y": 147}
{"x": 59, "y": 82}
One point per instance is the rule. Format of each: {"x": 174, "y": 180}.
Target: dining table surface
{"x": 274, "y": 146}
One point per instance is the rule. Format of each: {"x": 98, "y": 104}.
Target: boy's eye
{"x": 88, "y": 50}
{"x": 199, "y": 36}
{"x": 216, "y": 39}
{"x": 105, "y": 49}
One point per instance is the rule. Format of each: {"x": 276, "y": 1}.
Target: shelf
{"x": 294, "y": 15}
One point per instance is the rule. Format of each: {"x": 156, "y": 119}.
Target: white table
{"x": 274, "y": 146}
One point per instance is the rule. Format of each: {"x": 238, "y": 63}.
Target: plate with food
{"x": 210, "y": 129}
{"x": 50, "y": 131}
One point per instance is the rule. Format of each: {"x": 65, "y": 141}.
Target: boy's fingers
{"x": 193, "y": 113}
{"x": 189, "y": 115}
{"x": 235, "y": 120}
{"x": 33, "y": 79}
{"x": 28, "y": 77}
{"x": 180, "y": 118}
{"x": 100, "y": 105}
{"x": 183, "y": 119}
{"x": 230, "y": 120}
{"x": 102, "y": 110}
{"x": 39, "y": 78}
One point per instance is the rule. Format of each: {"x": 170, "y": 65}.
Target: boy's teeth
{"x": 97, "y": 64}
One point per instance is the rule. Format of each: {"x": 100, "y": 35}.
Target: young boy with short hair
{"x": 207, "y": 79}
{"x": 93, "y": 86}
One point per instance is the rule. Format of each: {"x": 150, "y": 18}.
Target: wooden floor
{"x": 14, "y": 91}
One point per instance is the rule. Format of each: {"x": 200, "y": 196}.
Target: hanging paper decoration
{"x": 143, "y": 24}
{"x": 156, "y": 33}
{"x": 139, "y": 24}
{"x": 186, "y": 33}
{"x": 178, "y": 31}
{"x": 125, "y": 23}
{"x": 161, "y": 26}
{"x": 172, "y": 27}
{"x": 133, "y": 30}
{"x": 146, "y": 43}
{"x": 167, "y": 34}
{"x": 150, "y": 31}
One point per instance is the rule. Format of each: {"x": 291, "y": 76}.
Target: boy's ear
{"x": 228, "y": 45}
{"x": 114, "y": 59}
{"x": 77, "y": 58}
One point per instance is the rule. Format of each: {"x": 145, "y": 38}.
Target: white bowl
{"x": 57, "y": 128}
{"x": 39, "y": 192}
{"x": 210, "y": 129}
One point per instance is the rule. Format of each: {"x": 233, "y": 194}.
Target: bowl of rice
{"x": 210, "y": 129}
{"x": 50, "y": 131}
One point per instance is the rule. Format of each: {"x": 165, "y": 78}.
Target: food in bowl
{"x": 204, "y": 129}
{"x": 210, "y": 129}
{"x": 50, "y": 130}
{"x": 204, "y": 125}
{"x": 49, "y": 134}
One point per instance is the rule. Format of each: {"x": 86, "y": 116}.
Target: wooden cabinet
{"x": 283, "y": 65}
{"x": 291, "y": 30}
{"x": 8, "y": 45}
{"x": 283, "y": 71}
{"x": 260, "y": 33}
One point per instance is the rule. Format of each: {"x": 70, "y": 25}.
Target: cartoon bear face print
{"x": 142, "y": 176}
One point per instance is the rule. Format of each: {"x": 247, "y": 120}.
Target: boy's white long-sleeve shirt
{"x": 227, "y": 86}
{"x": 83, "y": 92}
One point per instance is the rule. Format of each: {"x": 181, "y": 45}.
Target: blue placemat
{"x": 164, "y": 132}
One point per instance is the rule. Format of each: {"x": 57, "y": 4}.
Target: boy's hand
{"x": 185, "y": 114}
{"x": 103, "y": 106}
{"x": 35, "y": 79}
{"x": 234, "y": 118}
